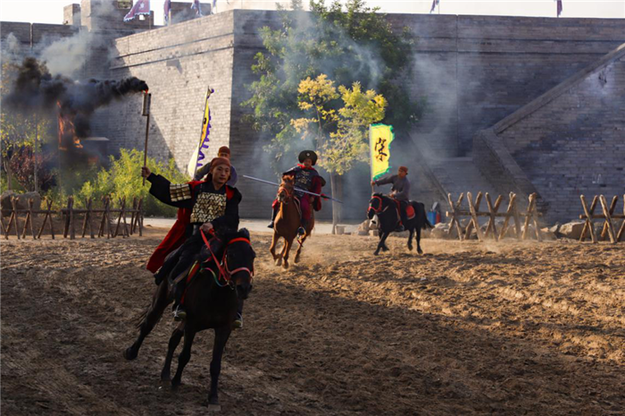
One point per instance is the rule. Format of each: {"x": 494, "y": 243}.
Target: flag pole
{"x": 147, "y": 98}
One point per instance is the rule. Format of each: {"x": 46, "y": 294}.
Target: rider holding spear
{"x": 308, "y": 179}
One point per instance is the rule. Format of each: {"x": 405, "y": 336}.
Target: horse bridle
{"x": 289, "y": 193}
{"x": 225, "y": 273}
{"x": 377, "y": 210}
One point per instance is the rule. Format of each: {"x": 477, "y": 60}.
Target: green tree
{"x": 123, "y": 180}
{"x": 350, "y": 44}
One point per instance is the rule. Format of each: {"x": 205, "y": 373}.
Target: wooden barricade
{"x": 70, "y": 217}
{"x": 608, "y": 217}
{"x": 473, "y": 212}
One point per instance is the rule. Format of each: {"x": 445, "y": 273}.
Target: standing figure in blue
{"x": 400, "y": 192}
{"x": 306, "y": 178}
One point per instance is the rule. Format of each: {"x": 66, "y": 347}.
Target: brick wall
{"x": 575, "y": 144}
{"x": 475, "y": 70}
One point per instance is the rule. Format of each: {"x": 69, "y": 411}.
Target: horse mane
{"x": 231, "y": 235}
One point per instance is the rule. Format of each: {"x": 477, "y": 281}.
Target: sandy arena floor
{"x": 467, "y": 328}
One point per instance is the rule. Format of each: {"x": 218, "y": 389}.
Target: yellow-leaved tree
{"x": 337, "y": 120}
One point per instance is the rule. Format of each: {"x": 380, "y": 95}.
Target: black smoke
{"x": 35, "y": 89}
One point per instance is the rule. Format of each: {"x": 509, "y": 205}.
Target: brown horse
{"x": 287, "y": 222}
{"x": 211, "y": 301}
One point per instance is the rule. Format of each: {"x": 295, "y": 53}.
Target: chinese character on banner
{"x": 380, "y": 138}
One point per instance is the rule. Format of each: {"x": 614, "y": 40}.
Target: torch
{"x": 147, "y": 99}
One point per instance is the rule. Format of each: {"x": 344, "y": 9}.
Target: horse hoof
{"x": 375, "y": 253}
{"x": 175, "y": 383}
{"x": 129, "y": 354}
{"x": 165, "y": 378}
{"x": 410, "y": 248}
{"x": 419, "y": 251}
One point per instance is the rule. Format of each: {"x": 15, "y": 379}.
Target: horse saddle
{"x": 408, "y": 208}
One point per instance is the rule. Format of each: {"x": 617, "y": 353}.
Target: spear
{"x": 295, "y": 187}
{"x": 147, "y": 99}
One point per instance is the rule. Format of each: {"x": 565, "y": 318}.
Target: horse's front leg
{"x": 221, "y": 337}
{"x": 174, "y": 340}
{"x": 383, "y": 236}
{"x": 272, "y": 248}
{"x": 410, "y": 239}
{"x": 299, "y": 249}
{"x": 285, "y": 252}
{"x": 184, "y": 356}
{"x": 383, "y": 242}
{"x": 159, "y": 303}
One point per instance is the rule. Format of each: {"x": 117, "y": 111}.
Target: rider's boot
{"x": 274, "y": 212}
{"x": 402, "y": 219}
{"x": 302, "y": 229}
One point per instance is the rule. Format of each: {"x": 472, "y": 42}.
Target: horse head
{"x": 376, "y": 205}
{"x": 239, "y": 261}
{"x": 285, "y": 192}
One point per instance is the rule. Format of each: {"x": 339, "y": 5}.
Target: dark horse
{"x": 211, "y": 300}
{"x": 388, "y": 217}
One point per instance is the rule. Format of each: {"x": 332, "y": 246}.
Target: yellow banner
{"x": 199, "y": 157}
{"x": 380, "y": 138}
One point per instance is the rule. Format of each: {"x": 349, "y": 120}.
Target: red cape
{"x": 174, "y": 238}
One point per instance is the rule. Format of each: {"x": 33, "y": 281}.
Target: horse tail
{"x": 142, "y": 318}
{"x": 427, "y": 224}
{"x": 420, "y": 209}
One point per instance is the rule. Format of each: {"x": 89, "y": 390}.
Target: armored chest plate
{"x": 303, "y": 179}
{"x": 208, "y": 206}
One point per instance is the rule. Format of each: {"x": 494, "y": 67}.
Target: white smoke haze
{"x": 362, "y": 63}
{"x": 68, "y": 56}
{"x": 11, "y": 49}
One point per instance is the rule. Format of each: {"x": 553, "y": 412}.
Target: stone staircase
{"x": 460, "y": 175}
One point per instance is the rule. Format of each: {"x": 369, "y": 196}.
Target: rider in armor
{"x": 206, "y": 205}
{"x": 307, "y": 178}
{"x": 400, "y": 191}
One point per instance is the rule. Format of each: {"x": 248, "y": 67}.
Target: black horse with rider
{"x": 396, "y": 212}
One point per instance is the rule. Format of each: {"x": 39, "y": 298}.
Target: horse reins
{"x": 225, "y": 273}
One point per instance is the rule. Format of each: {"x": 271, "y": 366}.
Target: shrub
{"x": 123, "y": 180}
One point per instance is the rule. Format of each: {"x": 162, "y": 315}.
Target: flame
{"x": 67, "y": 131}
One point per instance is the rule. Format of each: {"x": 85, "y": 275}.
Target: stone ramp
{"x": 460, "y": 175}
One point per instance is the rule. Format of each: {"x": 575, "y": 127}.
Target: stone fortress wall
{"x": 474, "y": 70}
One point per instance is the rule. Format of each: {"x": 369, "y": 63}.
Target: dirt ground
{"x": 467, "y": 328}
